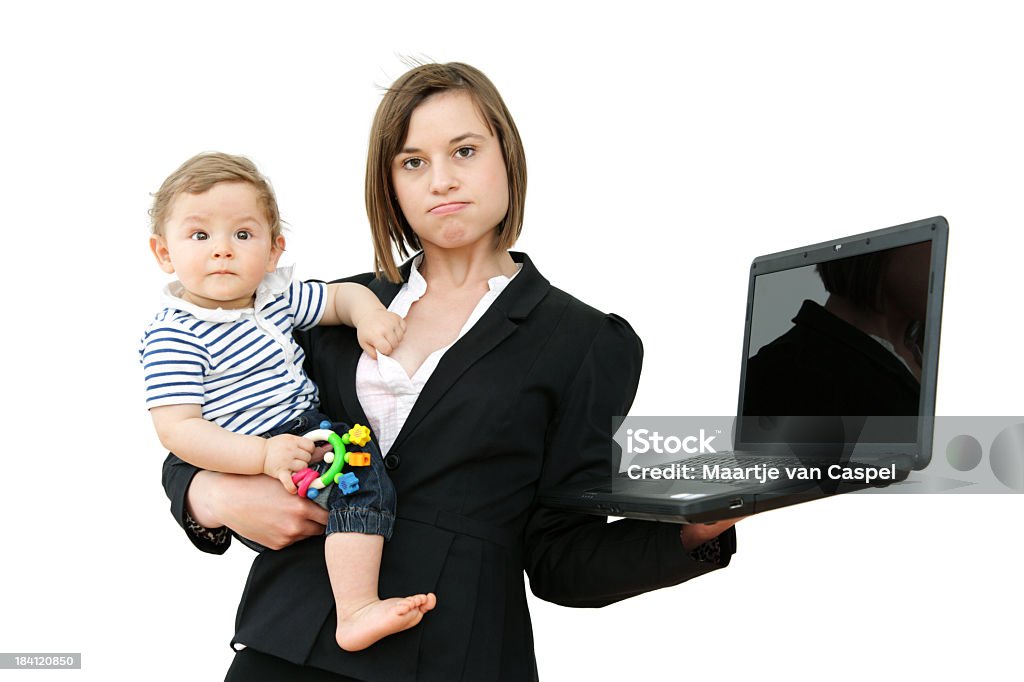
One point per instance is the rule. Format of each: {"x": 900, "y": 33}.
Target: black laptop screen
{"x": 835, "y": 349}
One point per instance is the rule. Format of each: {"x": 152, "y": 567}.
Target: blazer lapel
{"x": 497, "y": 324}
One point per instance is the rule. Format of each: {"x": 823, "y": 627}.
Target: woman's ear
{"x": 158, "y": 245}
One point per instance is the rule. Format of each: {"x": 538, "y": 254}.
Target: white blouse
{"x": 385, "y": 391}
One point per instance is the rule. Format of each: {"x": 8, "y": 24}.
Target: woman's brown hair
{"x": 391, "y": 231}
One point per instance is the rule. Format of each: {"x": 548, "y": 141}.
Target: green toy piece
{"x": 339, "y": 443}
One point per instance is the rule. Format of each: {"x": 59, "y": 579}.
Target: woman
{"x": 503, "y": 385}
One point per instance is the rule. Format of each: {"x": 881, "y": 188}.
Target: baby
{"x": 222, "y": 368}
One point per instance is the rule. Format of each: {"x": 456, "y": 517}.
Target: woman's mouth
{"x": 446, "y": 209}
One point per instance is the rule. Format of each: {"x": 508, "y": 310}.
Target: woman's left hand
{"x": 695, "y": 535}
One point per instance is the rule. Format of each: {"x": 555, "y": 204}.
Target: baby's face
{"x": 219, "y": 244}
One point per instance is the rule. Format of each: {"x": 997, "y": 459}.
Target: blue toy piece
{"x": 312, "y": 493}
{"x": 325, "y": 425}
{"x": 347, "y": 482}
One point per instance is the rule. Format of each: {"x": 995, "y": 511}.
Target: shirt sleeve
{"x": 578, "y": 559}
{"x": 307, "y": 301}
{"x": 174, "y": 362}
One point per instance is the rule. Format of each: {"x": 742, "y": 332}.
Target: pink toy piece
{"x": 303, "y": 479}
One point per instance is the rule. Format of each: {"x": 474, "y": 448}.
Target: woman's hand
{"x": 695, "y": 535}
{"x": 256, "y": 507}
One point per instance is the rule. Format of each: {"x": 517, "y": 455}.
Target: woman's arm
{"x": 256, "y": 507}
{"x": 579, "y": 559}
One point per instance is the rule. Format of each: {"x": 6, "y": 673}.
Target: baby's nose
{"x": 222, "y": 250}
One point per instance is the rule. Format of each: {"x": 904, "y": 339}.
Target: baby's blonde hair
{"x": 202, "y": 172}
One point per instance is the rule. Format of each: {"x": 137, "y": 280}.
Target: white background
{"x": 667, "y": 148}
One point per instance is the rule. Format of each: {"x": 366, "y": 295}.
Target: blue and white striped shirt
{"x": 243, "y": 366}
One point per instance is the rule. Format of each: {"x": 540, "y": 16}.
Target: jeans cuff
{"x": 361, "y": 520}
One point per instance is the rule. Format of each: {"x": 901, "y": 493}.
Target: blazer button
{"x": 392, "y": 462}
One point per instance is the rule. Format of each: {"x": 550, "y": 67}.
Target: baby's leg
{"x": 353, "y": 564}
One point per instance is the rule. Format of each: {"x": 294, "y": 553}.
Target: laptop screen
{"x": 836, "y": 348}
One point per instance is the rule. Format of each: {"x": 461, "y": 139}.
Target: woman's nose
{"x": 442, "y": 179}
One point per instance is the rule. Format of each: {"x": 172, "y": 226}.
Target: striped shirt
{"x": 243, "y": 366}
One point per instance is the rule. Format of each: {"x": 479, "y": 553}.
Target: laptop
{"x": 837, "y": 388}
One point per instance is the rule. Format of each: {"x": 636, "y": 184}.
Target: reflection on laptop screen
{"x": 838, "y": 341}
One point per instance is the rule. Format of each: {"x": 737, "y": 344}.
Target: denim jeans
{"x": 369, "y": 510}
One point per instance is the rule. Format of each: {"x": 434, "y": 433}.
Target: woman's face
{"x": 450, "y": 176}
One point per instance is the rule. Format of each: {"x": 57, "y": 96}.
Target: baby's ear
{"x": 276, "y": 249}
{"x": 158, "y": 245}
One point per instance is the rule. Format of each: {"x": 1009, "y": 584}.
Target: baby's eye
{"x": 200, "y": 236}
{"x": 412, "y": 164}
{"x": 465, "y": 152}
{"x": 242, "y": 235}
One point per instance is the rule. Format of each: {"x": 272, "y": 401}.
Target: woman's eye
{"x": 412, "y": 164}
{"x": 243, "y": 235}
{"x": 200, "y": 236}
{"x": 465, "y": 152}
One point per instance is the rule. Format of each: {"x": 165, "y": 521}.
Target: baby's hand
{"x": 285, "y": 454}
{"x": 380, "y": 331}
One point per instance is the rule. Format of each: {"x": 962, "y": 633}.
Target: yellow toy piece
{"x": 359, "y": 435}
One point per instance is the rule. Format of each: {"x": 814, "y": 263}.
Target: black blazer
{"x": 522, "y": 401}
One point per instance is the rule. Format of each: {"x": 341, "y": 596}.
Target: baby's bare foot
{"x": 428, "y": 603}
{"x": 378, "y": 619}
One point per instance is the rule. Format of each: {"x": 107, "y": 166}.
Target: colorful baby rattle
{"x": 310, "y": 483}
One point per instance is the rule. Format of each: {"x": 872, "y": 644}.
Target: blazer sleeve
{"x": 177, "y": 477}
{"x": 581, "y": 560}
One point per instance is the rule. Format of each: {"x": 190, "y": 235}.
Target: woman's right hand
{"x": 256, "y": 507}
